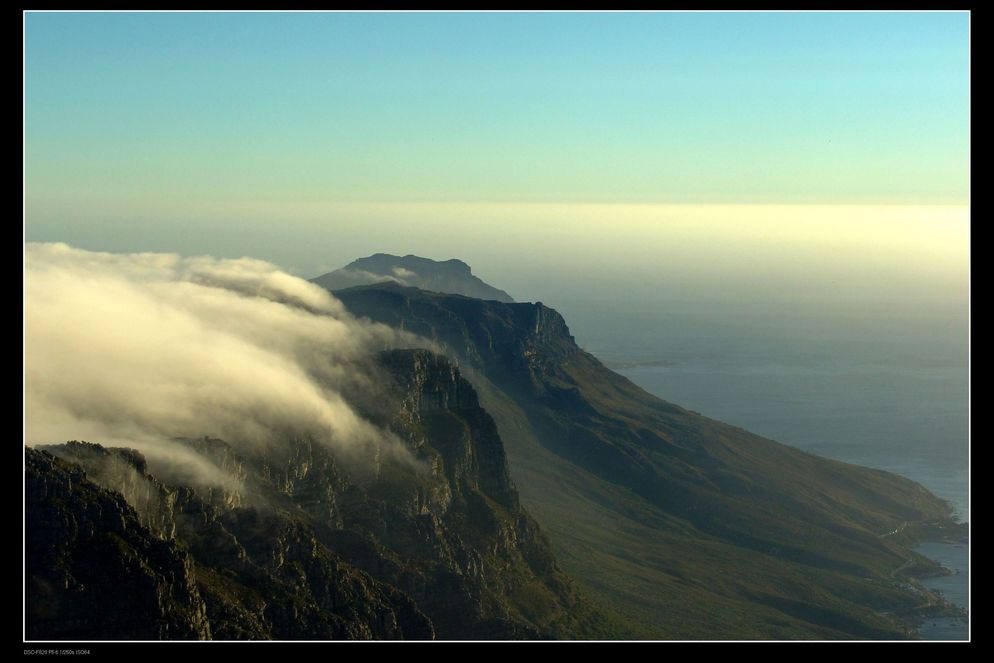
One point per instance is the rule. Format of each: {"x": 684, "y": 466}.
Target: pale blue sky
{"x": 128, "y": 113}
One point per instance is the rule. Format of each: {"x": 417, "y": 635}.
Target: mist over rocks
{"x": 311, "y": 475}
{"x": 91, "y": 566}
{"x": 311, "y": 548}
{"x": 143, "y": 348}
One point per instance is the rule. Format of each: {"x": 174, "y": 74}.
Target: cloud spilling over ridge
{"x": 142, "y": 348}
{"x": 399, "y": 275}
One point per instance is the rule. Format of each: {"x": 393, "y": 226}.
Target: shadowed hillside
{"x": 303, "y": 544}
{"x": 689, "y": 527}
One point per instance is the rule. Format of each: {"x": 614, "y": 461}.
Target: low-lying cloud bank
{"x": 138, "y": 349}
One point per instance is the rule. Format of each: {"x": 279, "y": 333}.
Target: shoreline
{"x": 916, "y": 570}
{"x": 938, "y": 608}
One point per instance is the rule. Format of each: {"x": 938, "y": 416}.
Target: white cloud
{"x": 142, "y": 348}
{"x": 354, "y": 277}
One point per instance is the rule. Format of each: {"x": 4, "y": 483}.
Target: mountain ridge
{"x": 451, "y": 276}
{"x": 549, "y": 497}
{"x": 814, "y": 526}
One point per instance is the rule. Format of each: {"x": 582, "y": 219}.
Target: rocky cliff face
{"x": 520, "y": 337}
{"x": 443, "y": 407}
{"x": 489, "y": 573}
{"x": 261, "y": 571}
{"x": 302, "y": 543}
{"x": 92, "y": 570}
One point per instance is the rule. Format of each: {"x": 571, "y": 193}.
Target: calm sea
{"x": 905, "y": 413}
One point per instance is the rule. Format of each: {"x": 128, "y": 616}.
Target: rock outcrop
{"x": 93, "y": 571}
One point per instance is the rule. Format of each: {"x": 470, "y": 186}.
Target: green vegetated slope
{"x": 684, "y": 526}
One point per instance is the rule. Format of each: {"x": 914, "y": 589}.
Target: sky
{"x": 141, "y": 109}
{"x": 795, "y": 160}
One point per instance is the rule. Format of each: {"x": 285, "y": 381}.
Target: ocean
{"x": 900, "y": 409}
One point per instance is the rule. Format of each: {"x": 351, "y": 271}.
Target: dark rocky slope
{"x": 304, "y": 544}
{"x": 92, "y": 570}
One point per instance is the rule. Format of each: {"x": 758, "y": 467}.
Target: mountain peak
{"x": 452, "y": 276}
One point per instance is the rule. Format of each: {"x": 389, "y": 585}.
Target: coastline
{"x": 952, "y": 586}
{"x": 933, "y": 572}
{"x": 861, "y": 431}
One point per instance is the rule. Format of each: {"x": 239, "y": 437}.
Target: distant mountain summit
{"x": 452, "y": 277}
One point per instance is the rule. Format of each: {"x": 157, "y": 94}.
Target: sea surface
{"x": 955, "y": 587}
{"x": 905, "y": 413}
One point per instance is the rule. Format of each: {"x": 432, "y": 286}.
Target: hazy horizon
{"x": 862, "y": 269}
